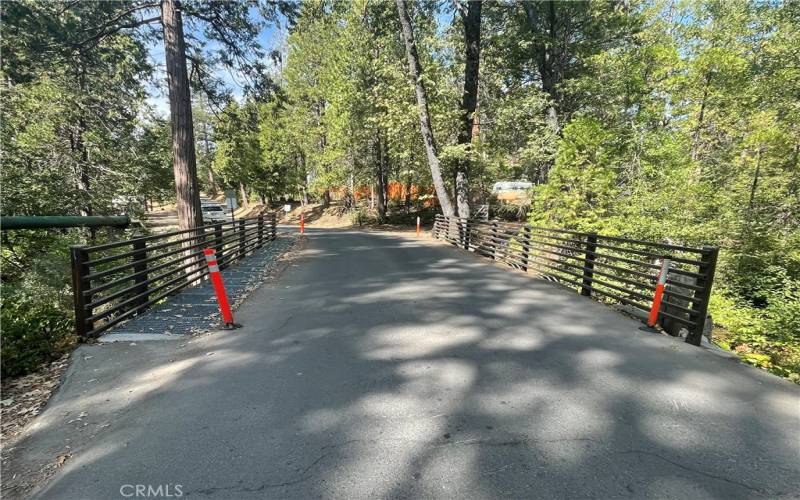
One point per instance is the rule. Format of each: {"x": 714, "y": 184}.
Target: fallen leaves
{"x": 62, "y": 459}
{"x": 25, "y": 397}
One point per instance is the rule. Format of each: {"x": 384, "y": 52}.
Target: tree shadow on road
{"x": 399, "y": 369}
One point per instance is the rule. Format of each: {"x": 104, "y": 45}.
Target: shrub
{"x": 768, "y": 337}
{"x": 35, "y": 330}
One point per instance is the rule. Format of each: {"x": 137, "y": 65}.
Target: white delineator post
{"x": 417, "y": 225}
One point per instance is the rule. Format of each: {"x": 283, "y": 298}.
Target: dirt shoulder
{"x": 23, "y": 398}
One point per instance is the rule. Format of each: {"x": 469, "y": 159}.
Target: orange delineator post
{"x": 219, "y": 287}
{"x": 302, "y": 222}
{"x": 417, "y": 226}
{"x": 662, "y": 280}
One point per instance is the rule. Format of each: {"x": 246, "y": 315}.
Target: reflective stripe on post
{"x": 219, "y": 287}
{"x": 662, "y": 280}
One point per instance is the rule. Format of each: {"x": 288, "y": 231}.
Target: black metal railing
{"x": 609, "y": 268}
{"x": 114, "y": 281}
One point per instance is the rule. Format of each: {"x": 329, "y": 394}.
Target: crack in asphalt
{"x": 263, "y": 486}
{"x": 698, "y": 471}
{"x": 528, "y": 442}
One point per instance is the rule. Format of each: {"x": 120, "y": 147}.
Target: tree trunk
{"x": 304, "y": 199}
{"x": 78, "y": 144}
{"x": 351, "y": 183}
{"x": 372, "y": 197}
{"x": 700, "y": 118}
{"x": 422, "y": 107}
{"x": 212, "y": 181}
{"x": 380, "y": 177}
{"x": 245, "y": 197}
{"x": 469, "y": 100}
{"x": 546, "y": 57}
{"x": 180, "y": 107}
{"x": 754, "y": 185}
{"x": 408, "y": 193}
{"x": 326, "y": 198}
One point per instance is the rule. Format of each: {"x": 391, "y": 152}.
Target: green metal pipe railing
{"x": 55, "y": 221}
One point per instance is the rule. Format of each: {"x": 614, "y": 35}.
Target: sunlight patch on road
{"x": 591, "y": 360}
{"x": 441, "y": 289}
{"x": 515, "y": 340}
{"x": 427, "y": 378}
{"x": 406, "y": 342}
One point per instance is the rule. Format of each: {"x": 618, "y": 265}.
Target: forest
{"x": 667, "y": 120}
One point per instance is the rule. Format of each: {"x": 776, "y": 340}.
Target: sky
{"x": 271, "y": 37}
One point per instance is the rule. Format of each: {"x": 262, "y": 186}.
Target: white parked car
{"x": 214, "y": 213}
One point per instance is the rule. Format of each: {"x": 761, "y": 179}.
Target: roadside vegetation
{"x": 661, "y": 120}
{"x": 77, "y": 139}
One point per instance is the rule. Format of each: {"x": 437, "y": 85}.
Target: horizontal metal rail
{"x": 612, "y": 268}
{"x": 115, "y": 281}
{"x": 58, "y": 221}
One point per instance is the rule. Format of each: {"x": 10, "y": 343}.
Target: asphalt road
{"x": 378, "y": 366}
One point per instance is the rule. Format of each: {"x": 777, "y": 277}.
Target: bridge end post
{"x": 79, "y": 256}
{"x": 707, "y": 269}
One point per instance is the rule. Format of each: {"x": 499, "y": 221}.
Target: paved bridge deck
{"x": 378, "y": 366}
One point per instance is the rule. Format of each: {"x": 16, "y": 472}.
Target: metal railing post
{"x": 140, "y": 246}
{"x": 700, "y": 304}
{"x": 241, "y": 239}
{"x": 79, "y": 256}
{"x": 526, "y": 236}
{"x": 588, "y": 264}
{"x": 494, "y": 239}
{"x": 260, "y": 230}
{"x": 449, "y": 236}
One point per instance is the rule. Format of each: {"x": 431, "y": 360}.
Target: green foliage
{"x": 36, "y": 329}
{"x": 36, "y": 304}
{"x": 78, "y": 138}
{"x": 679, "y": 136}
{"x": 765, "y": 337}
{"x": 581, "y": 188}
{"x": 237, "y": 152}
{"x": 76, "y": 131}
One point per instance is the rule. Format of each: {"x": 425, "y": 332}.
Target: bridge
{"x": 385, "y": 365}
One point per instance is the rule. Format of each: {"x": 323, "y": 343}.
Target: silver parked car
{"x": 213, "y": 213}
